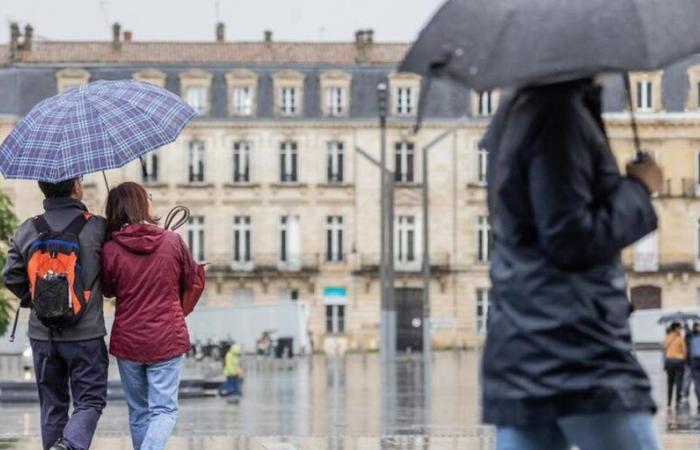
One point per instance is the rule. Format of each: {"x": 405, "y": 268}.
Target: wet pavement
{"x": 336, "y": 404}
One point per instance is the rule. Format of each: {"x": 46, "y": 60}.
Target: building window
{"x": 289, "y": 242}
{"x": 149, "y": 167}
{"x": 195, "y": 237}
{"x": 334, "y": 238}
{"x": 242, "y": 240}
{"x": 404, "y": 169}
{"x": 645, "y": 297}
{"x": 646, "y": 254}
{"x": 404, "y": 101}
{"x": 482, "y": 160}
{"x": 335, "y": 319}
{"x": 483, "y": 239}
{"x": 241, "y": 162}
{"x": 335, "y": 98}
{"x": 242, "y": 97}
{"x": 645, "y": 98}
{"x": 406, "y": 240}
{"x": 70, "y": 78}
{"x": 289, "y": 101}
{"x": 196, "y": 162}
{"x": 335, "y": 162}
{"x": 288, "y": 162}
{"x": 485, "y": 103}
{"x": 197, "y": 98}
{"x": 482, "y": 309}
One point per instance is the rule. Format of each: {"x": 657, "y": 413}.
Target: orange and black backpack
{"x": 57, "y": 290}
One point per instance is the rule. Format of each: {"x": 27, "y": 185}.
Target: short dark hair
{"x": 58, "y": 190}
{"x": 127, "y": 204}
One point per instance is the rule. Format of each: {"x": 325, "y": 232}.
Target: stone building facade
{"x": 285, "y": 209}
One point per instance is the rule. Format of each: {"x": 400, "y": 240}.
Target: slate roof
{"x": 31, "y": 78}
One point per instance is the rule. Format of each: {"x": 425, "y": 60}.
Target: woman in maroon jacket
{"x": 147, "y": 269}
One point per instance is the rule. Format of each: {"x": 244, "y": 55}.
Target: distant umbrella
{"x": 102, "y": 125}
{"x": 679, "y": 317}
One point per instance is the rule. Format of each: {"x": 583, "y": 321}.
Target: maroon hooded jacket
{"x": 147, "y": 268}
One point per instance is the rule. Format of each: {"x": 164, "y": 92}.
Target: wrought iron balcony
{"x": 265, "y": 262}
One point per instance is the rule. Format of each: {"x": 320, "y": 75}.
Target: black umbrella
{"x": 495, "y": 43}
{"x": 679, "y": 317}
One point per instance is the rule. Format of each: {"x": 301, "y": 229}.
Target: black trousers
{"x": 674, "y": 375}
{"x": 77, "y": 369}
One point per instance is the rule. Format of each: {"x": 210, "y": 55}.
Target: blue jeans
{"x": 151, "y": 394}
{"x": 629, "y": 431}
{"x": 232, "y": 386}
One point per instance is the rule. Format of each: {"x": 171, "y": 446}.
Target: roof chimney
{"x": 28, "y": 37}
{"x": 127, "y": 36}
{"x": 220, "y": 32}
{"x": 361, "y": 44}
{"x": 116, "y": 34}
{"x": 369, "y": 36}
{"x": 14, "y": 40}
{"x": 268, "y": 36}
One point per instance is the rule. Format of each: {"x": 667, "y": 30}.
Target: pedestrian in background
{"x": 558, "y": 360}
{"x": 147, "y": 269}
{"x": 675, "y": 354}
{"x": 232, "y": 372}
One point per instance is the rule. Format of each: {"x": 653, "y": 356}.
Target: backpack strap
{"x": 40, "y": 224}
{"x": 77, "y": 224}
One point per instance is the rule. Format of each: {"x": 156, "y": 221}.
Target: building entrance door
{"x": 409, "y": 320}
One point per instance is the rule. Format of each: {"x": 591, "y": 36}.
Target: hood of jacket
{"x": 140, "y": 238}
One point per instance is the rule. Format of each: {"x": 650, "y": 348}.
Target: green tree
{"x": 8, "y": 224}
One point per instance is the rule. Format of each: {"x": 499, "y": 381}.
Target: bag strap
{"x": 77, "y": 224}
{"x": 40, "y": 224}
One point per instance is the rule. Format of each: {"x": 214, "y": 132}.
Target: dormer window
{"x": 196, "y": 98}
{"x": 335, "y": 93}
{"x": 404, "y": 94}
{"x": 242, "y": 88}
{"x": 484, "y": 103}
{"x": 289, "y": 93}
{"x": 153, "y": 76}
{"x": 693, "y": 100}
{"x": 288, "y": 101}
{"x": 195, "y": 86}
{"x": 242, "y": 97}
{"x": 404, "y": 101}
{"x": 70, "y": 78}
{"x": 646, "y": 91}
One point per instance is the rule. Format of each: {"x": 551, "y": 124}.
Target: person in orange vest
{"x": 675, "y": 353}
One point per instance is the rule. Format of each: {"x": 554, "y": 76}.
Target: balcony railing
{"x": 680, "y": 188}
{"x": 652, "y": 262}
{"x": 438, "y": 262}
{"x": 267, "y": 262}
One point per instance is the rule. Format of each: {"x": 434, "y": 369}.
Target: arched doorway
{"x": 646, "y": 297}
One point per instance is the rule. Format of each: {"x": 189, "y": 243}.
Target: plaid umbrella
{"x": 102, "y": 125}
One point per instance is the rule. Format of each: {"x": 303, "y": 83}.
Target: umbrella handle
{"x": 639, "y": 154}
{"x": 104, "y": 175}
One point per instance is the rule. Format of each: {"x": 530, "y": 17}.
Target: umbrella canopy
{"x": 102, "y": 125}
{"x": 495, "y": 43}
{"x": 679, "y": 317}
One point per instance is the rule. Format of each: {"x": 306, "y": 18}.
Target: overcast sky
{"x": 335, "y": 20}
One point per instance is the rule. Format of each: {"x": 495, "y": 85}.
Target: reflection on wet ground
{"x": 338, "y": 404}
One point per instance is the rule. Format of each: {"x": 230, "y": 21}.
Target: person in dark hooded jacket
{"x": 558, "y": 367}
{"x": 146, "y": 268}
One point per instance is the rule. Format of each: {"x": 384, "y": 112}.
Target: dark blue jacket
{"x": 558, "y": 340}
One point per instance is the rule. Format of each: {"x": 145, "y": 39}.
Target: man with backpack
{"x": 53, "y": 266}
